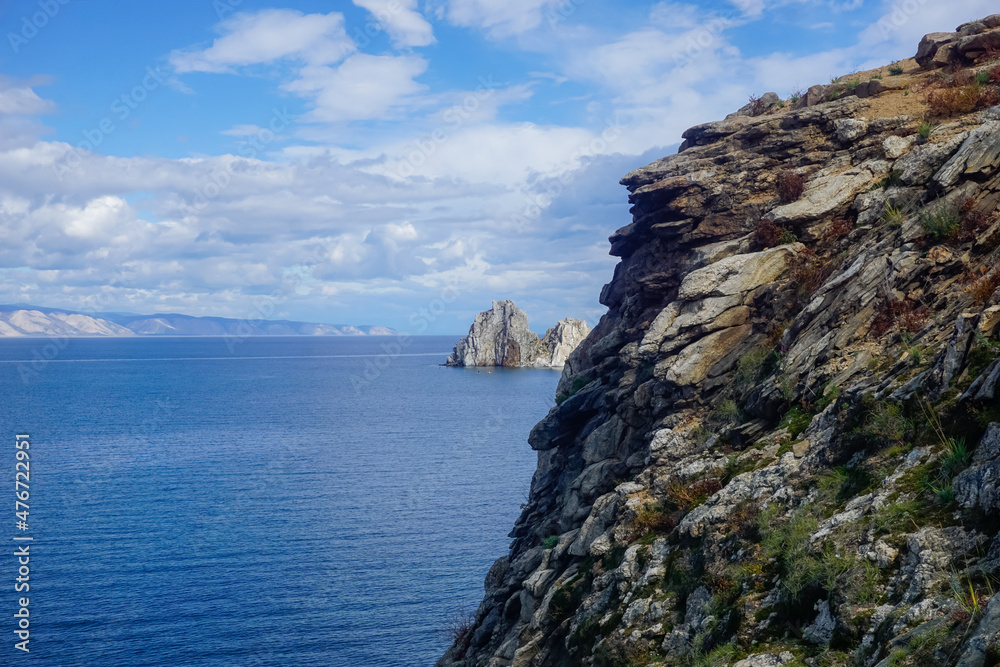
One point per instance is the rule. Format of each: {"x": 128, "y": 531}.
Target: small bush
{"x": 751, "y": 364}
{"x": 956, "y": 457}
{"x": 904, "y": 315}
{"x": 924, "y": 129}
{"x": 796, "y": 420}
{"x": 791, "y": 185}
{"x": 550, "y": 542}
{"x": 840, "y": 228}
{"x": 459, "y": 629}
{"x": 810, "y": 272}
{"x": 757, "y": 106}
{"x": 653, "y": 518}
{"x": 766, "y": 234}
{"x": 729, "y": 412}
{"x": 984, "y": 284}
{"x": 685, "y": 497}
{"x": 973, "y": 221}
{"x": 941, "y": 223}
{"x": 895, "y": 69}
{"x": 952, "y": 101}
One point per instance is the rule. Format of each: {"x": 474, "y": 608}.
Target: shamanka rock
{"x": 500, "y": 337}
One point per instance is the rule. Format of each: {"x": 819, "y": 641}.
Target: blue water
{"x": 289, "y": 501}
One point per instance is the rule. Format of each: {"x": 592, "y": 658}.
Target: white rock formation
{"x": 501, "y": 337}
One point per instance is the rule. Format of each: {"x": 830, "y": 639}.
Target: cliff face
{"x": 500, "y": 337}
{"x": 780, "y": 446}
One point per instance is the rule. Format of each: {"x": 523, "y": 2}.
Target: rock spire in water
{"x": 500, "y": 337}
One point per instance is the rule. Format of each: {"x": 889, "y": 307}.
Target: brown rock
{"x": 930, "y": 44}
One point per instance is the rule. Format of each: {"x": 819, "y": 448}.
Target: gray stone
{"x": 896, "y": 147}
{"x": 985, "y": 636}
{"x": 766, "y": 660}
{"x": 984, "y": 387}
{"x": 917, "y": 167}
{"x": 851, "y": 129}
{"x": 828, "y": 191}
{"x": 979, "y": 154}
{"x": 820, "y": 631}
{"x": 979, "y": 484}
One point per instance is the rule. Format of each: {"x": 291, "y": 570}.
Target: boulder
{"x": 930, "y": 44}
{"x": 850, "y": 130}
{"x": 979, "y": 154}
{"x": 738, "y": 274}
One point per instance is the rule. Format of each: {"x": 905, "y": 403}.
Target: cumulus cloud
{"x": 267, "y": 36}
{"x": 20, "y": 99}
{"x": 502, "y": 18}
{"x": 401, "y": 20}
{"x": 362, "y": 87}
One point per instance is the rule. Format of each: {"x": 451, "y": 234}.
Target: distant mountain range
{"x": 27, "y": 320}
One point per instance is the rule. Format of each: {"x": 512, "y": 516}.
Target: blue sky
{"x": 373, "y": 161}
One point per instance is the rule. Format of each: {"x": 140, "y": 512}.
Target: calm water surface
{"x": 292, "y": 501}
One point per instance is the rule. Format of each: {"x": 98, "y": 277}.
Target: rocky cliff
{"x": 500, "y": 337}
{"x": 780, "y": 445}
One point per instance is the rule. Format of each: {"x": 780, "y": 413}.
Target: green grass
{"x": 796, "y": 420}
{"x": 893, "y": 215}
{"x": 729, "y": 412}
{"x": 895, "y": 70}
{"x": 550, "y": 542}
{"x": 925, "y": 129}
{"x": 752, "y": 364}
{"x": 940, "y": 223}
{"x": 956, "y": 457}
{"x": 892, "y": 180}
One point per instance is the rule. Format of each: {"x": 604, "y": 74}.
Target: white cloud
{"x": 401, "y": 20}
{"x": 267, "y": 36}
{"x": 362, "y": 87}
{"x": 19, "y": 99}
{"x": 502, "y": 18}
{"x": 901, "y": 25}
{"x": 242, "y": 131}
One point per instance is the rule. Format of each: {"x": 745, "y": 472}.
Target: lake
{"x": 293, "y": 501}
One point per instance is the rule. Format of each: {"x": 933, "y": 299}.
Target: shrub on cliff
{"x": 940, "y": 224}
{"x": 791, "y": 185}
{"x": 963, "y": 99}
{"x": 767, "y": 234}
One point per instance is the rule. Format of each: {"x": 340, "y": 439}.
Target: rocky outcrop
{"x": 781, "y": 443}
{"x": 500, "y": 337}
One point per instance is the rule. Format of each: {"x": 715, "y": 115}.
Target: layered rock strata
{"x": 779, "y": 446}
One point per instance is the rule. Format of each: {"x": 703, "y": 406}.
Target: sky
{"x": 392, "y": 162}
